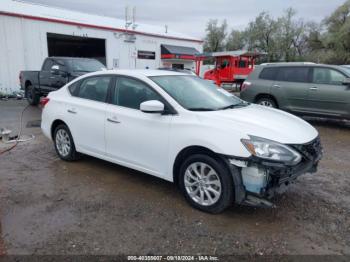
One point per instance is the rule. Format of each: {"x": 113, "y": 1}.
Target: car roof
{"x": 71, "y": 58}
{"x": 293, "y": 64}
{"x": 338, "y": 67}
{"x": 139, "y": 72}
{"x": 259, "y": 68}
{"x": 288, "y": 64}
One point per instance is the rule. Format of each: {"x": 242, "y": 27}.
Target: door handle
{"x": 277, "y": 86}
{"x": 72, "y": 111}
{"x": 313, "y": 88}
{"x": 113, "y": 120}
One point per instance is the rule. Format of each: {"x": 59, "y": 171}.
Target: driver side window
{"x": 224, "y": 64}
{"x": 131, "y": 93}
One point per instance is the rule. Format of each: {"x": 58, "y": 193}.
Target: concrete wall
{"x": 23, "y": 46}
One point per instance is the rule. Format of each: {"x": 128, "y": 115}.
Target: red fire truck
{"x": 231, "y": 67}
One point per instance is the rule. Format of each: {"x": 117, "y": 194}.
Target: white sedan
{"x": 217, "y": 148}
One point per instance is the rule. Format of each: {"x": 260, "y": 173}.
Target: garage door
{"x": 74, "y": 46}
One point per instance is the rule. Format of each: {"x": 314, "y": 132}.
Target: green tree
{"x": 290, "y": 35}
{"x": 337, "y": 38}
{"x": 287, "y": 38}
{"x": 216, "y": 36}
{"x": 236, "y": 40}
{"x": 314, "y": 37}
{"x": 261, "y": 35}
{"x": 314, "y": 49}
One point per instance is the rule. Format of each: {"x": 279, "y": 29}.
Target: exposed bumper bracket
{"x": 257, "y": 202}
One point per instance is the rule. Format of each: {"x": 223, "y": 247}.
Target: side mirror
{"x": 55, "y": 70}
{"x": 346, "y": 82}
{"x": 152, "y": 106}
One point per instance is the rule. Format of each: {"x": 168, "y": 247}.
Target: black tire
{"x": 72, "y": 154}
{"x": 32, "y": 97}
{"x": 266, "y": 101}
{"x": 227, "y": 188}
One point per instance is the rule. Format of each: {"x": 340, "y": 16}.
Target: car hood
{"x": 263, "y": 122}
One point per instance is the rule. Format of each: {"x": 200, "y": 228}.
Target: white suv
{"x": 217, "y": 148}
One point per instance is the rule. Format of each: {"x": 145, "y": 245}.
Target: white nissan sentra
{"x": 217, "y": 148}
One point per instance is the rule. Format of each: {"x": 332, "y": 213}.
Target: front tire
{"x": 266, "y": 101}
{"x": 64, "y": 143}
{"x": 206, "y": 184}
{"x": 32, "y": 97}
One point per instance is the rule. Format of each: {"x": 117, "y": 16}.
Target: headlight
{"x": 271, "y": 150}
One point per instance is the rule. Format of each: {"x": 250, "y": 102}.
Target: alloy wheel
{"x": 63, "y": 142}
{"x": 202, "y": 184}
{"x": 266, "y": 103}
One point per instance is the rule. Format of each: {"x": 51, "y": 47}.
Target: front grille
{"x": 312, "y": 150}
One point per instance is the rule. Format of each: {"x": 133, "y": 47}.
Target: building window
{"x": 146, "y": 55}
{"x": 178, "y": 66}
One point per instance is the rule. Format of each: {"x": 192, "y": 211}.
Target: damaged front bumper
{"x": 275, "y": 176}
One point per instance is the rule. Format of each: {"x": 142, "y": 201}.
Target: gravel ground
{"x": 48, "y": 206}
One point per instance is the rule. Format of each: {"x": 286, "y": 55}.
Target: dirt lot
{"x": 93, "y": 207}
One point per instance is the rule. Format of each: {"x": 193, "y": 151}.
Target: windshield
{"x": 196, "y": 94}
{"x": 85, "y": 65}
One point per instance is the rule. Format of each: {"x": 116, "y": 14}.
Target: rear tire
{"x": 64, "y": 143}
{"x": 32, "y": 97}
{"x": 266, "y": 101}
{"x": 206, "y": 184}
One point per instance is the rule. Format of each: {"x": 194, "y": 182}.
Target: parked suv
{"x": 301, "y": 88}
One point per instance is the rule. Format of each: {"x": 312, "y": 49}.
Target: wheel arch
{"x": 238, "y": 188}
{"x": 186, "y": 152}
{"x": 55, "y": 124}
{"x": 27, "y": 83}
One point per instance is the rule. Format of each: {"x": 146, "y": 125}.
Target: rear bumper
{"x": 240, "y": 77}
{"x": 46, "y": 124}
{"x": 279, "y": 175}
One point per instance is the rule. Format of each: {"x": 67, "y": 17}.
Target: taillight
{"x": 44, "y": 101}
{"x": 245, "y": 85}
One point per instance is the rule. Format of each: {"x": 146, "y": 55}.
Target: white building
{"x": 30, "y": 32}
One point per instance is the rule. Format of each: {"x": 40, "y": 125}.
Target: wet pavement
{"x": 48, "y": 206}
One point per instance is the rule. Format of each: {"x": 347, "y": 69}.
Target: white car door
{"x": 86, "y": 113}
{"x": 133, "y": 138}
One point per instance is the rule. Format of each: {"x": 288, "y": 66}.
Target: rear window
{"x": 293, "y": 74}
{"x": 268, "y": 73}
{"x": 47, "y": 65}
{"x": 94, "y": 88}
{"x": 74, "y": 88}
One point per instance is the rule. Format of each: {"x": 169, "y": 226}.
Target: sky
{"x": 191, "y": 16}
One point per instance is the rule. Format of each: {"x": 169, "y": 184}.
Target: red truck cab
{"x": 230, "y": 67}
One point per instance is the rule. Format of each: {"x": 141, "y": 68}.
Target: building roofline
{"x": 108, "y": 28}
